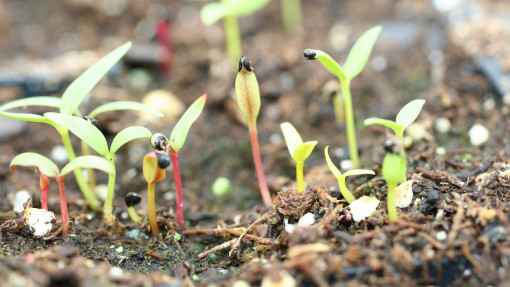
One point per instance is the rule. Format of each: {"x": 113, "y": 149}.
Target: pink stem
{"x": 266, "y": 197}
{"x": 179, "y": 201}
{"x": 63, "y": 205}
{"x": 44, "y": 199}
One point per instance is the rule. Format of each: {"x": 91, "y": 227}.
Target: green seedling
{"x": 356, "y": 60}
{"x": 248, "y": 99}
{"x": 299, "y": 150}
{"x": 132, "y": 199}
{"x": 69, "y": 103}
{"x": 174, "y": 145}
{"x": 405, "y": 117}
{"x": 91, "y": 135}
{"x": 291, "y": 15}
{"x": 341, "y": 177}
{"x": 152, "y": 173}
{"x": 394, "y": 164}
{"x": 48, "y": 168}
{"x": 230, "y": 10}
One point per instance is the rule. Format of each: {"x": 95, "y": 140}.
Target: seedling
{"x": 299, "y": 150}
{"x": 230, "y": 10}
{"x": 394, "y": 164}
{"x": 91, "y": 135}
{"x": 152, "y": 173}
{"x": 174, "y": 145}
{"x": 405, "y": 117}
{"x": 248, "y": 99}
{"x": 291, "y": 15}
{"x": 132, "y": 199}
{"x": 341, "y": 177}
{"x": 356, "y": 60}
{"x": 48, "y": 168}
{"x": 43, "y": 184}
{"x": 69, "y": 104}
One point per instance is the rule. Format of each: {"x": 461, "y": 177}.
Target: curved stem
{"x": 44, "y": 199}
{"x": 266, "y": 197}
{"x": 179, "y": 200}
{"x": 133, "y": 215}
{"x": 152, "y": 210}
{"x": 392, "y": 209}
{"x": 82, "y": 183}
{"x": 349, "y": 123}
{"x": 109, "y": 218}
{"x": 233, "y": 38}
{"x": 345, "y": 191}
{"x": 299, "y": 177}
{"x": 63, "y": 205}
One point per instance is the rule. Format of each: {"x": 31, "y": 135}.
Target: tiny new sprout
{"x": 291, "y": 15}
{"x": 298, "y": 150}
{"x": 91, "y": 135}
{"x": 174, "y": 145}
{"x": 341, "y": 177}
{"x": 48, "y": 168}
{"x": 248, "y": 99}
{"x": 356, "y": 60}
{"x": 152, "y": 173}
{"x": 394, "y": 164}
{"x": 405, "y": 117}
{"x": 132, "y": 199}
{"x": 229, "y": 10}
{"x": 70, "y": 102}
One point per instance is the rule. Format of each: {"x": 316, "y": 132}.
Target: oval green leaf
{"x": 89, "y": 161}
{"x": 303, "y": 151}
{"x": 336, "y": 172}
{"x": 127, "y": 135}
{"x": 292, "y": 137}
{"x": 409, "y": 113}
{"x": 331, "y": 65}
{"x": 52, "y": 102}
{"x": 83, "y": 129}
{"x": 212, "y": 12}
{"x": 358, "y": 172}
{"x": 360, "y": 52}
{"x": 124, "y": 105}
{"x": 79, "y": 88}
{"x": 180, "y": 132}
{"x": 31, "y": 159}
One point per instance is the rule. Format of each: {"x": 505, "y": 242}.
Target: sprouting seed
{"x": 163, "y": 160}
{"x": 309, "y": 54}
{"x": 132, "y": 199}
{"x": 246, "y": 63}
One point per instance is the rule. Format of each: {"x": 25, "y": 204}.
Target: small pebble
{"x": 489, "y": 104}
{"x": 440, "y": 150}
{"x": 363, "y": 207}
{"x": 241, "y": 284}
{"x": 59, "y": 154}
{"x": 441, "y": 235}
{"x": 379, "y": 63}
{"x": 442, "y": 125}
{"x": 416, "y": 131}
{"x": 165, "y": 102}
{"x": 478, "y": 135}
{"x": 275, "y": 138}
{"x": 285, "y": 280}
{"x": 346, "y": 164}
{"x": 40, "y": 221}
{"x": 307, "y": 220}
{"x": 116, "y": 272}
{"x": 404, "y": 194}
{"x": 61, "y": 264}
{"x": 102, "y": 191}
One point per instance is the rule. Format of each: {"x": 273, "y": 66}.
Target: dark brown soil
{"x": 455, "y": 232}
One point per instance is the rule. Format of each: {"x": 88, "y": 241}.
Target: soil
{"x": 455, "y": 232}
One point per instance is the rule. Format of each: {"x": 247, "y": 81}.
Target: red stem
{"x": 63, "y": 205}
{"x": 44, "y": 199}
{"x": 266, "y": 197}
{"x": 179, "y": 201}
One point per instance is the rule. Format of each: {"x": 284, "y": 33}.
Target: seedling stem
{"x": 63, "y": 205}
{"x": 349, "y": 123}
{"x": 258, "y": 167}
{"x": 152, "y": 209}
{"x": 179, "y": 200}
{"x": 43, "y": 183}
{"x": 392, "y": 209}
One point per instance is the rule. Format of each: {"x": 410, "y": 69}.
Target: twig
{"x": 216, "y": 248}
{"x": 262, "y": 218}
{"x": 230, "y": 231}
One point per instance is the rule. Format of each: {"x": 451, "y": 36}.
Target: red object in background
{"x": 164, "y": 37}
